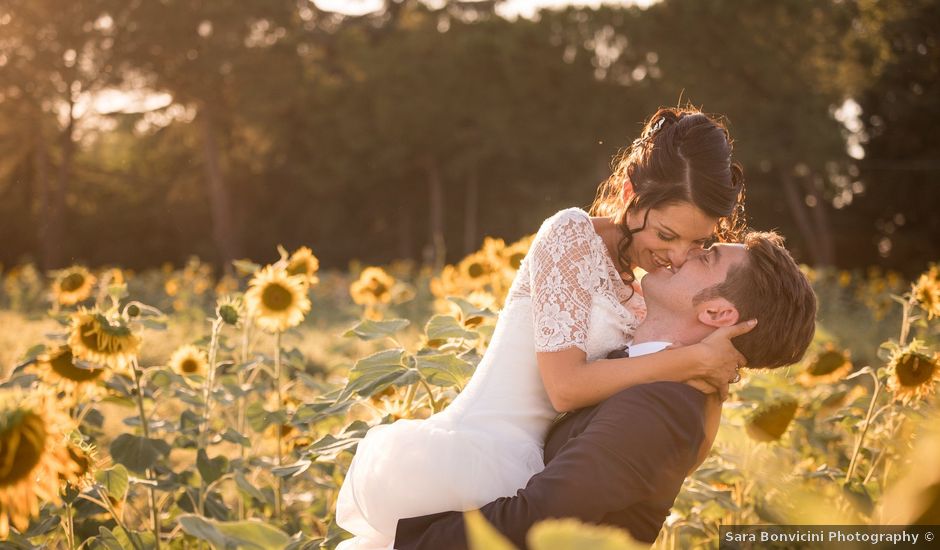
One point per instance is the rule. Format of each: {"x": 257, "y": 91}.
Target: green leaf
{"x": 373, "y": 330}
{"x": 252, "y": 534}
{"x": 210, "y": 469}
{"x": 483, "y": 536}
{"x": 329, "y": 446}
{"x": 469, "y": 311}
{"x": 571, "y": 534}
{"x": 106, "y": 539}
{"x": 291, "y": 470}
{"x": 378, "y": 371}
{"x": 249, "y": 488}
{"x": 234, "y": 436}
{"x": 114, "y": 480}
{"x": 260, "y": 418}
{"x": 444, "y": 369}
{"x": 138, "y": 453}
{"x": 444, "y": 327}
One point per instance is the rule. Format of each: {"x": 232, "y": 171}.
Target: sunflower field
{"x": 176, "y": 409}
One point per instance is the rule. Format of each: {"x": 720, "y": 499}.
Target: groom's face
{"x": 675, "y": 291}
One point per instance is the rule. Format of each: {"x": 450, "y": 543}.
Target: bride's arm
{"x": 572, "y": 382}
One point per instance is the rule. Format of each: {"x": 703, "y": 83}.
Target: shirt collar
{"x": 645, "y": 348}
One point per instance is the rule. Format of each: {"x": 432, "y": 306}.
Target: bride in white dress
{"x": 573, "y": 301}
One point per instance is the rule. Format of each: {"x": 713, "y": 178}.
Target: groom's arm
{"x": 634, "y": 438}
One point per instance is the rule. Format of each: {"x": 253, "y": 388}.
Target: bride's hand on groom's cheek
{"x": 719, "y": 360}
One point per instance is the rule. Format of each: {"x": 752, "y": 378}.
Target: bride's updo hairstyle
{"x": 682, "y": 156}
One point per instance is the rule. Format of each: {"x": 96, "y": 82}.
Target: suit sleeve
{"x": 635, "y": 436}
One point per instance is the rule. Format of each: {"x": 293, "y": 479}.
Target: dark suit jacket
{"x": 620, "y": 462}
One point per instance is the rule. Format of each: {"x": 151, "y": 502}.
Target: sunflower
{"x": 373, "y": 287}
{"x": 770, "y": 420}
{"x": 231, "y": 308}
{"x": 927, "y": 291}
{"x": 84, "y": 458}
{"x": 477, "y": 269}
{"x": 515, "y": 253}
{"x": 303, "y": 262}
{"x": 912, "y": 374}
{"x": 59, "y": 370}
{"x": 827, "y": 367}
{"x": 276, "y": 299}
{"x": 97, "y": 339}
{"x": 189, "y": 360}
{"x": 447, "y": 283}
{"x": 34, "y": 455}
{"x": 72, "y": 285}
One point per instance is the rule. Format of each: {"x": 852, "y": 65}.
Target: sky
{"x": 508, "y": 8}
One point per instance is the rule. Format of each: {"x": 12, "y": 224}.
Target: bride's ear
{"x": 627, "y": 191}
{"x": 717, "y": 312}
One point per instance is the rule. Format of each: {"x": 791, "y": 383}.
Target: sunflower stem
{"x": 906, "y": 320}
{"x": 433, "y": 401}
{"x": 241, "y": 412}
{"x": 144, "y": 423}
{"x": 867, "y": 423}
{"x": 210, "y": 380}
{"x": 70, "y": 520}
{"x": 279, "y": 483}
{"x": 409, "y": 397}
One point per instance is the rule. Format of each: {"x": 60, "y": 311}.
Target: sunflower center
{"x": 298, "y": 267}
{"x": 72, "y": 282}
{"x": 189, "y": 366}
{"x": 21, "y": 445}
{"x": 64, "y": 365}
{"x": 89, "y": 333}
{"x": 915, "y": 370}
{"x": 827, "y": 363}
{"x": 379, "y": 289}
{"x": 475, "y": 270}
{"x": 516, "y": 260}
{"x": 276, "y": 297}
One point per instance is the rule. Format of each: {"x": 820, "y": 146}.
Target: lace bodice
{"x": 568, "y": 269}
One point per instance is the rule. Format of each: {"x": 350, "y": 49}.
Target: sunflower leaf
{"x": 250, "y": 534}
{"x": 445, "y": 327}
{"x": 114, "y": 480}
{"x": 210, "y": 469}
{"x": 373, "y": 330}
{"x": 138, "y": 453}
{"x": 444, "y": 369}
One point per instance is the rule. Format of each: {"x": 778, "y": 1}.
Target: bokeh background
{"x": 171, "y": 377}
{"x": 141, "y": 132}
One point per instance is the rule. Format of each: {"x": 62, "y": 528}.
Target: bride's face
{"x": 673, "y": 234}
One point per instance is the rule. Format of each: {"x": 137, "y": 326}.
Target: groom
{"x": 623, "y": 461}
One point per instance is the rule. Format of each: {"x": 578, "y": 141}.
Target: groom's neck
{"x": 667, "y": 327}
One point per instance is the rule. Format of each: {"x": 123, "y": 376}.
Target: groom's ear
{"x": 717, "y": 312}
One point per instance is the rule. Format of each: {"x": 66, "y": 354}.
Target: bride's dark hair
{"x": 682, "y": 156}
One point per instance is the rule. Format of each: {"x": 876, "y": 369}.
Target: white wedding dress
{"x": 488, "y": 442}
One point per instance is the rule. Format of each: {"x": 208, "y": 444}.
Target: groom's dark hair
{"x": 768, "y": 285}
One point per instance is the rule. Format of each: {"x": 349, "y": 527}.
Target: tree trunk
{"x": 405, "y": 228}
{"x": 471, "y": 207}
{"x": 438, "y": 248}
{"x": 49, "y": 227}
{"x": 815, "y": 231}
{"x": 823, "y": 231}
{"x": 224, "y": 233}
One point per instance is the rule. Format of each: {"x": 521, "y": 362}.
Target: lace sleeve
{"x": 563, "y": 275}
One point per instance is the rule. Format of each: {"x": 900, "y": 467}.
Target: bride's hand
{"x": 719, "y": 360}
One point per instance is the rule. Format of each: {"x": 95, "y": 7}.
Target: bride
{"x": 573, "y": 300}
